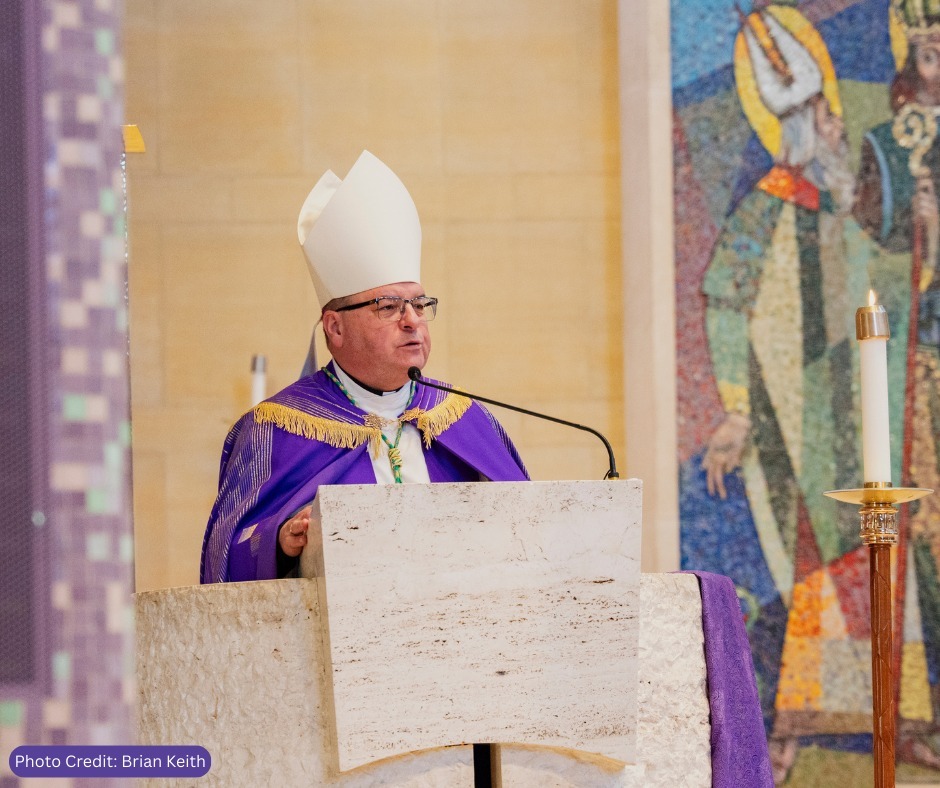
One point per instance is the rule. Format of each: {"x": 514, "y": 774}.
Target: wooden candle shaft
{"x": 883, "y": 716}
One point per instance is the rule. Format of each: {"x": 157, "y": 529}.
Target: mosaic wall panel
{"x": 81, "y": 688}
{"x": 807, "y": 165}
{"x": 18, "y": 612}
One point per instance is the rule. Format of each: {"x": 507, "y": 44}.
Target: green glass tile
{"x": 818, "y": 460}
{"x": 113, "y": 455}
{"x": 727, "y": 331}
{"x": 104, "y": 42}
{"x": 126, "y": 549}
{"x": 105, "y": 87}
{"x": 97, "y": 501}
{"x": 11, "y": 713}
{"x": 62, "y": 665}
{"x": 73, "y": 407}
{"x": 107, "y": 201}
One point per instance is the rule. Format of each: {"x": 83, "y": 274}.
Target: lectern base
{"x": 233, "y": 668}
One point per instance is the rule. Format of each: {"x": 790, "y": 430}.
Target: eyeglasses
{"x": 392, "y": 308}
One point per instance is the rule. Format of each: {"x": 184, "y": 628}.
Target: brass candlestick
{"x": 878, "y": 514}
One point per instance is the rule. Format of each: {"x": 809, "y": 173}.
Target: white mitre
{"x": 778, "y": 96}
{"x": 360, "y": 232}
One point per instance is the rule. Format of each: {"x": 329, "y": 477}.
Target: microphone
{"x": 415, "y": 374}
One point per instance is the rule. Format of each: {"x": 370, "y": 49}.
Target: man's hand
{"x": 724, "y": 451}
{"x": 292, "y": 536}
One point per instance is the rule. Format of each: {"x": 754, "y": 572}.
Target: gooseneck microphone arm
{"x": 415, "y": 374}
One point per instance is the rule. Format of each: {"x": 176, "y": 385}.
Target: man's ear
{"x": 333, "y": 328}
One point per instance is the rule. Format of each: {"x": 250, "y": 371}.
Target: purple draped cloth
{"x": 278, "y": 454}
{"x": 739, "y": 742}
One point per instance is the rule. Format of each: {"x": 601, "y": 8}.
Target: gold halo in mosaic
{"x": 764, "y": 122}
{"x": 898, "y": 35}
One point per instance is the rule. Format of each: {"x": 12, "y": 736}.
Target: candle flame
{"x": 872, "y": 298}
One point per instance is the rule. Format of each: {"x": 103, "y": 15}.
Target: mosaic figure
{"x": 777, "y": 244}
{"x": 787, "y": 270}
{"x": 897, "y": 204}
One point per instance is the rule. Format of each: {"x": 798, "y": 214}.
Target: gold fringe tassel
{"x": 430, "y": 423}
{"x": 433, "y": 422}
{"x": 333, "y": 433}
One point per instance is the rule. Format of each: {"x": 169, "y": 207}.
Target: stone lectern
{"x": 480, "y": 613}
{"x": 430, "y": 617}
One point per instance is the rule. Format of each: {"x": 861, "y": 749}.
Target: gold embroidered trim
{"x": 432, "y": 423}
{"x": 335, "y": 433}
{"x": 340, "y": 435}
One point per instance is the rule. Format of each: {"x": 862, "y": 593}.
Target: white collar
{"x": 388, "y": 405}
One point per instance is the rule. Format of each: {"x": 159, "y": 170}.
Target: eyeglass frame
{"x": 431, "y": 303}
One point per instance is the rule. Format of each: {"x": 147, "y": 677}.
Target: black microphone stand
{"x": 415, "y": 374}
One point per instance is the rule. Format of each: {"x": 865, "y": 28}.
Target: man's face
{"x": 927, "y": 60}
{"x": 830, "y": 166}
{"x": 379, "y": 352}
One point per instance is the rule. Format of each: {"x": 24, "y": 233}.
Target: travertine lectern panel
{"x": 480, "y": 613}
{"x": 239, "y": 669}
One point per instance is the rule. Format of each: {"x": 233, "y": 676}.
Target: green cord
{"x": 394, "y": 455}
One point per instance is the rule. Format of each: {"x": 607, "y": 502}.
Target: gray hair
{"x": 797, "y": 137}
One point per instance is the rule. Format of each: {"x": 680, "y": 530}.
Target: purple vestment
{"x": 277, "y": 456}
{"x": 739, "y": 743}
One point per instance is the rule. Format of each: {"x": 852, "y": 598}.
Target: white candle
{"x": 259, "y": 379}
{"x": 871, "y": 329}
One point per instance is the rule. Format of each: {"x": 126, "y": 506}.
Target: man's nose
{"x": 409, "y": 318}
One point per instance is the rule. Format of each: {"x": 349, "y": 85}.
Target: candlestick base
{"x": 879, "y": 495}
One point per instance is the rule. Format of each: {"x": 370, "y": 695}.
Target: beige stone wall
{"x": 649, "y": 303}
{"x": 503, "y": 120}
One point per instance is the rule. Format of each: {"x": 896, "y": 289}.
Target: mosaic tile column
{"x": 80, "y": 687}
